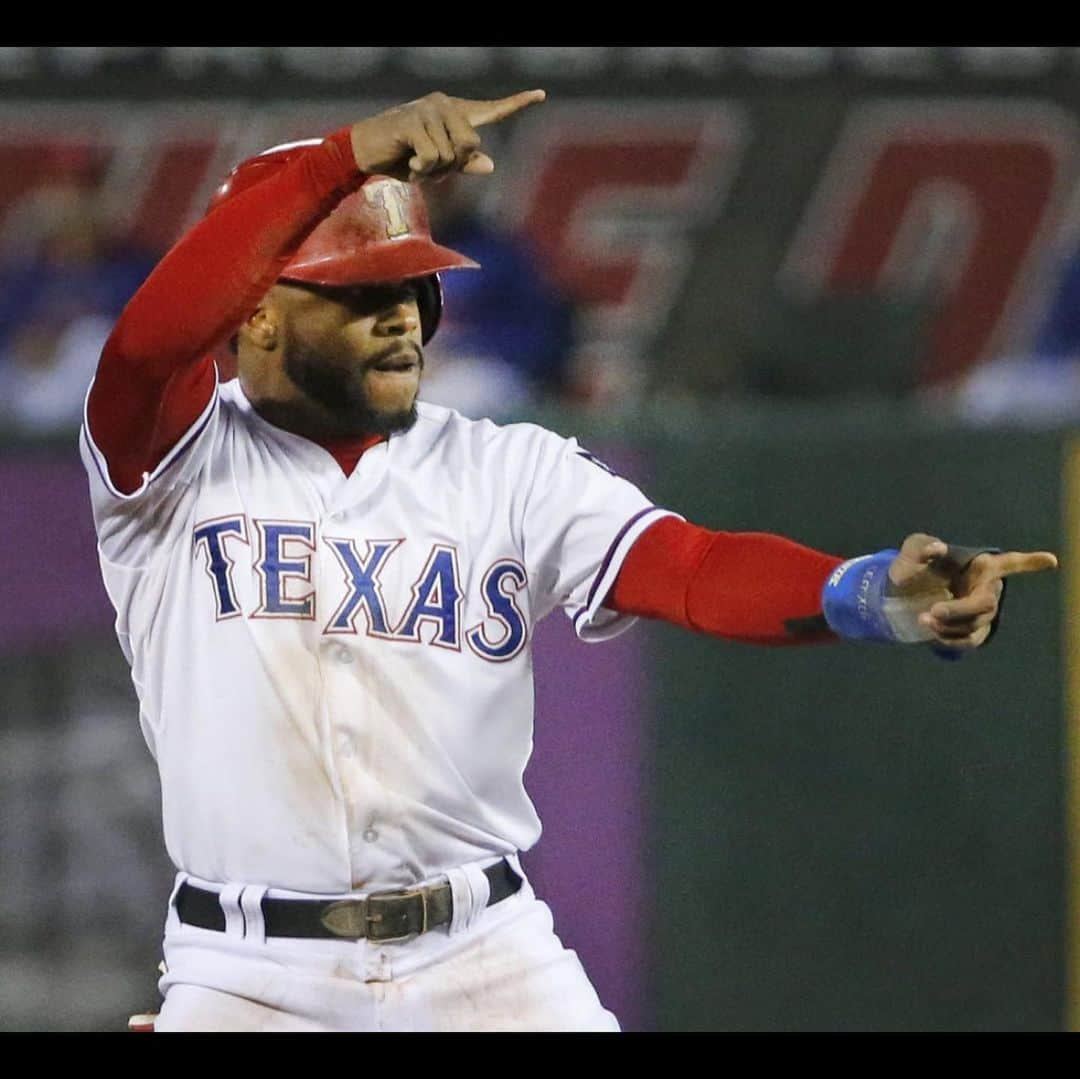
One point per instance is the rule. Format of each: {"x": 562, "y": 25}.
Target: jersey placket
{"x": 353, "y": 737}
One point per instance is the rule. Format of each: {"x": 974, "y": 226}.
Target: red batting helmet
{"x": 379, "y": 233}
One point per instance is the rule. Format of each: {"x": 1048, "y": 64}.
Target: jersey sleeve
{"x": 131, "y": 525}
{"x": 580, "y": 520}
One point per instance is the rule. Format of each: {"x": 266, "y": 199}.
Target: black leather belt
{"x": 391, "y": 915}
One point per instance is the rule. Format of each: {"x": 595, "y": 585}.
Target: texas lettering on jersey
{"x": 282, "y": 568}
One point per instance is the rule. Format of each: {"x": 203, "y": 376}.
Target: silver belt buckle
{"x": 356, "y": 918}
{"x": 346, "y": 918}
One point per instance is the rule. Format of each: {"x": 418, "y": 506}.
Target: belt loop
{"x": 470, "y": 890}
{"x": 251, "y": 907}
{"x": 172, "y": 918}
{"x": 515, "y": 864}
{"x": 229, "y": 898}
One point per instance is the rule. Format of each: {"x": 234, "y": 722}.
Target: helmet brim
{"x": 397, "y": 260}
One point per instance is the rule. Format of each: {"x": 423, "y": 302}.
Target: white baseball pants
{"x": 498, "y": 968}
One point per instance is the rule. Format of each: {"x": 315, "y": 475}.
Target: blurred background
{"x": 831, "y": 292}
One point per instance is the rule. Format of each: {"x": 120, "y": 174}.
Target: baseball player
{"x": 327, "y": 590}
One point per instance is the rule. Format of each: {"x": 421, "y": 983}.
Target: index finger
{"x": 1012, "y": 562}
{"x": 487, "y": 112}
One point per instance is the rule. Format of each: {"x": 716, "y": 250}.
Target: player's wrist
{"x": 345, "y": 145}
{"x": 853, "y": 598}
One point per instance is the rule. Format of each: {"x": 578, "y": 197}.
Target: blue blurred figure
{"x": 1058, "y": 337}
{"x": 59, "y": 297}
{"x": 1042, "y": 388}
{"x": 507, "y": 332}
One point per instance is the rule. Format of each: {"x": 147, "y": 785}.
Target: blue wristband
{"x": 851, "y": 598}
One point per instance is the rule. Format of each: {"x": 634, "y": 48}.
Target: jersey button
{"x": 344, "y": 655}
{"x": 370, "y": 835}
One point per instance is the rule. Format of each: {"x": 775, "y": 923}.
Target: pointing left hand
{"x": 967, "y": 594}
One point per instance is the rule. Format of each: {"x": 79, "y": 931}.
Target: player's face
{"x": 356, "y": 352}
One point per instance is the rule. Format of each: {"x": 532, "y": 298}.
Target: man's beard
{"x": 340, "y": 391}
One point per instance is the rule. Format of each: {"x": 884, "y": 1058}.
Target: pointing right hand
{"x": 432, "y": 135}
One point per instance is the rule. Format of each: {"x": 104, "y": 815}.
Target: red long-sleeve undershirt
{"x": 744, "y": 586}
{"x": 156, "y": 376}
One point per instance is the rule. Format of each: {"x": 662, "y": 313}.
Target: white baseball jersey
{"x": 334, "y": 673}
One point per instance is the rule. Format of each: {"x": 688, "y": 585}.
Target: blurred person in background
{"x": 59, "y": 297}
{"x": 1041, "y": 387}
{"x": 507, "y": 333}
